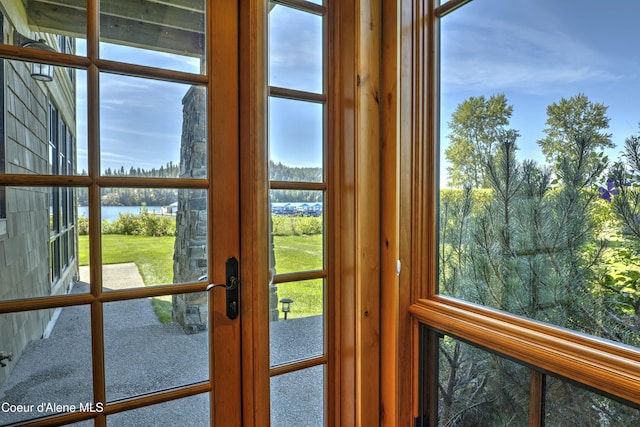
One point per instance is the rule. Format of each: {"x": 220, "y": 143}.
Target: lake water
{"x": 111, "y": 212}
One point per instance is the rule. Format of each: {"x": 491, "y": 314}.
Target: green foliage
{"x": 569, "y": 119}
{"x": 286, "y": 225}
{"x": 142, "y": 224}
{"x": 476, "y": 125}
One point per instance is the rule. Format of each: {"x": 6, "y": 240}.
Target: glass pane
{"x": 147, "y": 350}
{"x": 167, "y": 35}
{"x": 297, "y": 398}
{"x": 190, "y": 411}
{"x": 152, "y": 128}
{"x": 67, "y": 18}
{"x": 38, "y": 243}
{"x": 39, "y": 131}
{"x": 297, "y": 227}
{"x": 153, "y": 236}
{"x": 297, "y": 321}
{"x": 50, "y": 369}
{"x": 566, "y": 404}
{"x": 480, "y": 388}
{"x": 538, "y": 200}
{"x": 295, "y": 140}
{"x": 295, "y": 49}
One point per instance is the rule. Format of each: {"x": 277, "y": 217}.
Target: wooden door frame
{"x": 353, "y": 224}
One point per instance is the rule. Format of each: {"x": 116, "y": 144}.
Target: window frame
{"x": 411, "y": 221}
{"x": 3, "y": 136}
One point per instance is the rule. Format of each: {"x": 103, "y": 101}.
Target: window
{"x": 61, "y": 200}
{"x": 533, "y": 209}
{"x": 3, "y": 197}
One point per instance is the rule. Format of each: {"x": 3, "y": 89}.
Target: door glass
{"x": 49, "y": 370}
{"x": 161, "y": 233}
{"x": 288, "y": 143}
{"x": 295, "y": 49}
{"x": 297, "y": 149}
{"x": 142, "y": 122}
{"x": 43, "y": 135}
{"x": 297, "y": 398}
{"x": 299, "y": 333}
{"x": 170, "y": 357}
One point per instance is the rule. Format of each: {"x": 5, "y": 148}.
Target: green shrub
{"x": 287, "y": 225}
{"x": 82, "y": 225}
{"x": 309, "y": 225}
{"x": 142, "y": 224}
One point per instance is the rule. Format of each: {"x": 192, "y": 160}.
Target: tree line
{"x": 280, "y": 172}
{"x": 163, "y": 197}
{"x": 137, "y": 196}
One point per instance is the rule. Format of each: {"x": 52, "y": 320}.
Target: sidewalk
{"x": 143, "y": 355}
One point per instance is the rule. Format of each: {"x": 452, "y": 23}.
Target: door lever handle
{"x": 232, "y": 285}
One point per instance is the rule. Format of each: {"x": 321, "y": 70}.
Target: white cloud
{"x": 494, "y": 54}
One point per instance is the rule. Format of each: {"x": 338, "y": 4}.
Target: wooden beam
{"x": 192, "y": 5}
{"x": 143, "y": 11}
{"x": 114, "y": 29}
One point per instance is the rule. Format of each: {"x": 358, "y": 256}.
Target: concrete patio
{"x": 142, "y": 356}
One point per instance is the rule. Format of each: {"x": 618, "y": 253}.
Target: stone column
{"x": 190, "y": 254}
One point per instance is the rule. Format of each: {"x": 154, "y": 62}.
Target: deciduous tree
{"x": 475, "y": 126}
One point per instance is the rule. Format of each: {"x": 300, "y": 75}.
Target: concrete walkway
{"x": 143, "y": 355}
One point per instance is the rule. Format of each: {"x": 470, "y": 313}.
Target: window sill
{"x": 596, "y": 363}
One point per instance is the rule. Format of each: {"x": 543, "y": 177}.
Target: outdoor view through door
{"x": 119, "y": 205}
{"x": 298, "y": 189}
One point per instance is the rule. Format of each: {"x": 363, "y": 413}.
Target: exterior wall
{"x": 25, "y": 234}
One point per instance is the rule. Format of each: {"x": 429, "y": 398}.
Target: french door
{"x": 120, "y": 206}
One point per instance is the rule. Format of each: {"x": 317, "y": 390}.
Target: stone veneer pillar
{"x": 190, "y": 254}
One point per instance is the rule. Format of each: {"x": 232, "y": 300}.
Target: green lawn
{"x": 154, "y": 258}
{"x": 152, "y": 255}
{"x": 300, "y": 253}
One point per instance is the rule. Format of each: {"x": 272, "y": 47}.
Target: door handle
{"x": 232, "y": 286}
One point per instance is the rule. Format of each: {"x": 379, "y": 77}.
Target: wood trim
{"x": 340, "y": 223}
{"x": 297, "y": 95}
{"x": 299, "y": 276}
{"x": 296, "y": 185}
{"x": 302, "y": 5}
{"x": 449, "y": 6}
{"x": 536, "y": 398}
{"x": 297, "y": 366}
{"x": 254, "y": 213}
{"x": 224, "y": 206}
{"x": 531, "y": 344}
{"x": 396, "y": 327}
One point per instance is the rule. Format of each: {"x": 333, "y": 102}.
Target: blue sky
{"x": 534, "y": 51}
{"x": 140, "y": 119}
{"x": 539, "y": 51}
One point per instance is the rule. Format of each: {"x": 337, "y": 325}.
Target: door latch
{"x": 232, "y": 286}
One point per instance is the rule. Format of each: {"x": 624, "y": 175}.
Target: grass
{"x": 154, "y": 258}
{"x": 152, "y": 255}
{"x": 300, "y": 253}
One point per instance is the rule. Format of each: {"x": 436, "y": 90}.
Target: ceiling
{"x": 175, "y": 26}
